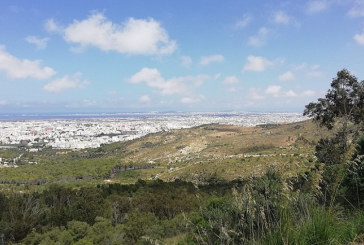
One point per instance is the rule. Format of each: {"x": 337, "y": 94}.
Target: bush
{"x": 353, "y": 184}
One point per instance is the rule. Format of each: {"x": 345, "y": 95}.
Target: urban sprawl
{"x": 91, "y": 133}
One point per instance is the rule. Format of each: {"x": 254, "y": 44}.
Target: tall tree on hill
{"x": 343, "y": 106}
{"x": 344, "y": 101}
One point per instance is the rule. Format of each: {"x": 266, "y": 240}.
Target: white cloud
{"x": 230, "y": 80}
{"x": 178, "y": 85}
{"x": 186, "y": 61}
{"x": 359, "y": 38}
{"x": 66, "y": 82}
{"x": 206, "y": 60}
{"x": 277, "y": 91}
{"x": 273, "y": 90}
{"x": 144, "y": 99}
{"x": 316, "y": 6}
{"x": 257, "y": 63}
{"x": 287, "y": 76}
{"x": 290, "y": 93}
{"x": 134, "y": 36}
{"x": 51, "y": 26}
{"x": 281, "y": 18}
{"x": 40, "y": 43}
{"x": 153, "y": 79}
{"x": 260, "y": 38}
{"x": 244, "y": 21}
{"x": 22, "y": 68}
{"x": 357, "y": 10}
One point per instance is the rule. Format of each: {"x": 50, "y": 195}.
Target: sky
{"x": 168, "y": 55}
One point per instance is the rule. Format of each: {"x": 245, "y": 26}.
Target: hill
{"x": 197, "y": 154}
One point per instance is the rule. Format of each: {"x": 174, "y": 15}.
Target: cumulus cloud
{"x": 206, "y": 60}
{"x": 152, "y": 78}
{"x": 359, "y": 38}
{"x": 144, "y": 99}
{"x": 134, "y": 36}
{"x": 230, "y": 80}
{"x": 316, "y": 6}
{"x": 182, "y": 86}
{"x": 22, "y": 68}
{"x": 40, "y": 43}
{"x": 281, "y": 18}
{"x": 260, "y": 38}
{"x": 186, "y": 61}
{"x": 244, "y": 21}
{"x": 287, "y": 76}
{"x": 257, "y": 63}
{"x": 278, "y": 92}
{"x": 66, "y": 82}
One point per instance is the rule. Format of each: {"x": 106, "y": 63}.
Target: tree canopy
{"x": 345, "y": 101}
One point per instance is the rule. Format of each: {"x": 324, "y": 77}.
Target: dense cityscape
{"x": 92, "y": 132}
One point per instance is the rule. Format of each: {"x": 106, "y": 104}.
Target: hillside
{"x": 197, "y": 154}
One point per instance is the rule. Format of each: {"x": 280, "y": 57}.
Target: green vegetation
{"x": 214, "y": 184}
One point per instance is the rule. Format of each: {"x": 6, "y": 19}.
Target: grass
{"x": 319, "y": 227}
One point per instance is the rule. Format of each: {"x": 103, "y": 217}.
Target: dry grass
{"x": 227, "y": 151}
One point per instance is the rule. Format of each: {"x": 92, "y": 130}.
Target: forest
{"x": 322, "y": 203}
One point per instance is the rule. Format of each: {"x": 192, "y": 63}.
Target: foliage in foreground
{"x": 260, "y": 210}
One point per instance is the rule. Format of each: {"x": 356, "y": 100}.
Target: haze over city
{"x": 111, "y": 56}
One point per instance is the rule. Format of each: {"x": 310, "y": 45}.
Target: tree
{"x": 343, "y": 104}
{"x": 344, "y": 101}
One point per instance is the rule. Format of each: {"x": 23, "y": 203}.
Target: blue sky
{"x": 165, "y": 55}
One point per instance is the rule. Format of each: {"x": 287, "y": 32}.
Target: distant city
{"x": 78, "y": 131}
